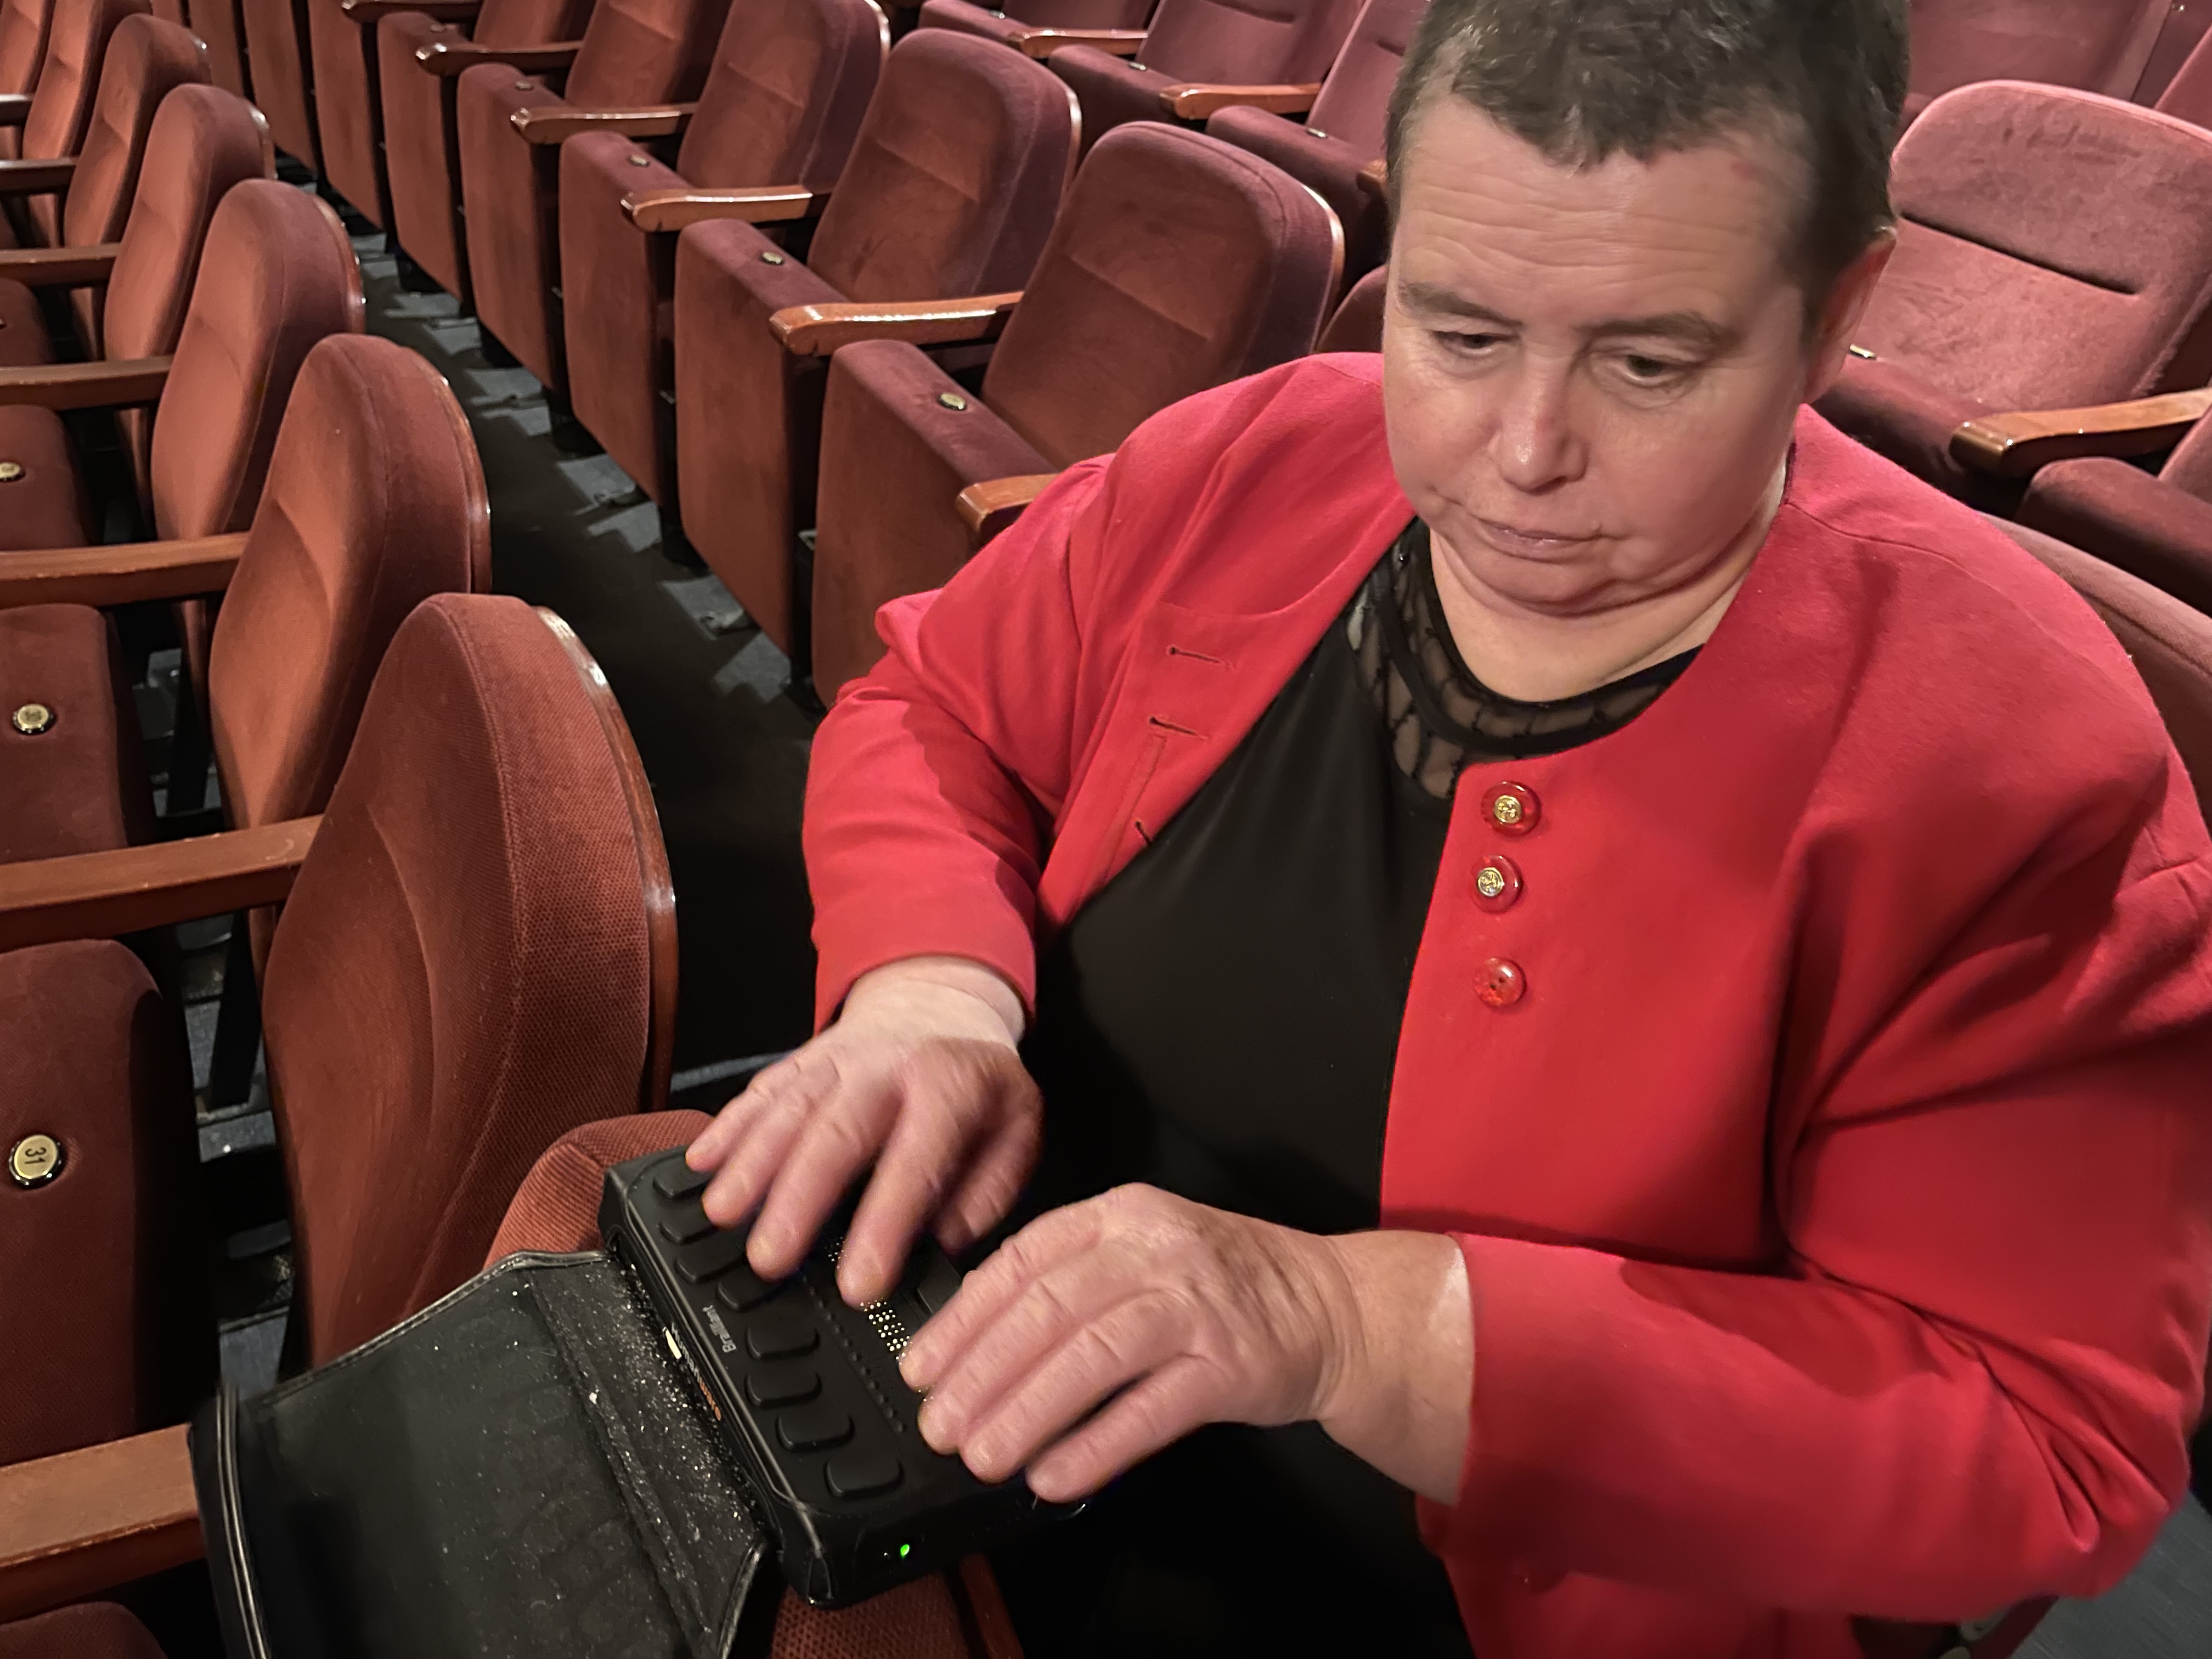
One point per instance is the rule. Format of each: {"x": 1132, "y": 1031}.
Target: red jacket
{"x": 1837, "y": 1201}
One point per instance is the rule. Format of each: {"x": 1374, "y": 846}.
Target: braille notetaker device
{"x": 807, "y": 1392}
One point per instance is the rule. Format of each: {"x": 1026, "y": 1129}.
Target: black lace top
{"x": 1221, "y": 1021}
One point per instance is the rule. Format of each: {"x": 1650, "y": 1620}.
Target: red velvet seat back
{"x": 2170, "y": 642}
{"x": 218, "y": 23}
{"x": 146, "y": 59}
{"x": 374, "y": 501}
{"x": 645, "y": 51}
{"x": 465, "y": 969}
{"x": 277, "y": 58}
{"x": 789, "y": 83}
{"x": 1178, "y": 263}
{"x": 22, "y": 42}
{"x": 2055, "y": 249}
{"x": 97, "y": 1266}
{"x": 1247, "y": 41}
{"x": 956, "y": 177}
{"x": 1356, "y": 95}
{"x": 203, "y": 141}
{"x": 2101, "y": 45}
{"x": 69, "y": 73}
{"x": 526, "y": 22}
{"x": 277, "y": 275}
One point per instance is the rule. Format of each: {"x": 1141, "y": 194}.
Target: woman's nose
{"x": 1535, "y": 445}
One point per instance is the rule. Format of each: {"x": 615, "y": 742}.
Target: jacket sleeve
{"x": 935, "y": 780}
{"x": 1972, "y": 1380}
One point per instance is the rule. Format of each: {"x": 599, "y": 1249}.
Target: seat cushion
{"x": 2129, "y": 519}
{"x": 95, "y": 1062}
{"x": 80, "y": 785}
{"x": 44, "y": 505}
{"x": 1112, "y": 90}
{"x": 92, "y": 1630}
{"x": 1329, "y": 167}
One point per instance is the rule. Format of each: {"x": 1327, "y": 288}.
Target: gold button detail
{"x": 32, "y": 718}
{"x": 10, "y": 470}
{"x": 35, "y": 1160}
{"x": 1490, "y": 881}
{"x": 771, "y": 257}
{"x": 1506, "y": 809}
{"x": 640, "y": 160}
{"x": 952, "y": 400}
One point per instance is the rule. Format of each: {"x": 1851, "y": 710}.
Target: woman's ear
{"x": 1839, "y": 316}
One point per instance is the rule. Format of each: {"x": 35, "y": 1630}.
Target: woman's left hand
{"x": 1193, "y": 1314}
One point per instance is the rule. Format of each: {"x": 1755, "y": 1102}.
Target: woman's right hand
{"x": 920, "y": 1076}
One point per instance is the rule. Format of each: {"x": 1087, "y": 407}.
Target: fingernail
{"x": 936, "y": 1429}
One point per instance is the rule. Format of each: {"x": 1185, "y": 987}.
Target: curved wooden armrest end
{"x": 82, "y": 1521}
{"x": 107, "y": 895}
{"x": 1044, "y": 42}
{"x": 60, "y": 267}
{"x": 990, "y": 506}
{"x": 551, "y": 125}
{"x": 655, "y": 210}
{"x": 2016, "y": 444}
{"x": 37, "y": 178}
{"x": 121, "y": 572}
{"x": 447, "y": 58}
{"x": 815, "y": 330}
{"x": 1375, "y": 179}
{"x": 1195, "y": 100}
{"x": 86, "y": 386}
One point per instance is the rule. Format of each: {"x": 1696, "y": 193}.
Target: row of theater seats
{"x": 874, "y": 295}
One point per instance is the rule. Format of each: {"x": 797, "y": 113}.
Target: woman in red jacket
{"x": 1595, "y": 954}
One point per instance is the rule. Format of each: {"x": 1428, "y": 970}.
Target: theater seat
{"x": 1356, "y": 323}
{"x": 97, "y": 1277}
{"x": 1178, "y": 263}
{"x": 634, "y": 53}
{"x": 1195, "y": 45}
{"x": 60, "y": 111}
{"x": 92, "y": 1630}
{"x": 284, "y": 88}
{"x": 1037, "y": 27}
{"x": 219, "y": 24}
{"x": 23, "y": 45}
{"x": 2158, "y": 527}
{"x": 2054, "y": 249}
{"x": 2098, "y": 45}
{"x": 277, "y": 274}
{"x": 419, "y": 61}
{"x": 146, "y": 59}
{"x": 998, "y": 134}
{"x": 782, "y": 103}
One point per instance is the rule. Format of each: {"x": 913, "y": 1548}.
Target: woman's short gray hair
{"x": 1583, "y": 79}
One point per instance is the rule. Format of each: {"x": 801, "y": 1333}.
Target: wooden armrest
{"x": 1044, "y": 42}
{"x": 1375, "y": 179}
{"x": 672, "y": 209}
{"x": 2013, "y": 445}
{"x": 817, "y": 331}
{"x": 988, "y": 507}
{"x": 82, "y": 1521}
{"x": 121, "y": 572}
{"x": 1195, "y": 101}
{"x": 36, "y": 178}
{"x": 105, "y": 894}
{"x": 86, "y": 386}
{"x": 15, "y": 108}
{"x": 447, "y": 58}
{"x": 370, "y": 12}
{"x": 550, "y": 125}
{"x": 60, "y": 267}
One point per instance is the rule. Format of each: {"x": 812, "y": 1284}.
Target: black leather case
{"x": 517, "y": 1470}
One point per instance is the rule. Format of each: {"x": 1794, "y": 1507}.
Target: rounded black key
{"x": 686, "y": 1224}
{"x": 677, "y": 1179}
{"x": 816, "y": 1429}
{"x": 781, "y": 1384}
{"x": 862, "y": 1474}
{"x": 711, "y": 1257}
{"x": 782, "y": 1338}
{"x": 742, "y": 1289}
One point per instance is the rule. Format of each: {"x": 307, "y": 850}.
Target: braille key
{"x": 685, "y": 1224}
{"x": 781, "y": 1384}
{"x": 677, "y": 1179}
{"x": 744, "y": 1290}
{"x": 781, "y": 1338}
{"x": 816, "y": 1429}
{"x": 862, "y": 1474}
{"x": 711, "y": 1257}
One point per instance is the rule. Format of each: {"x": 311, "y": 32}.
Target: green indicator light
{"x": 905, "y": 1550}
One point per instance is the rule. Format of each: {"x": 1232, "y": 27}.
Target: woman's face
{"x": 1591, "y": 374}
